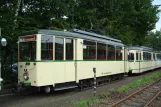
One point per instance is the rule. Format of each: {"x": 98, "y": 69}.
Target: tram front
{"x": 26, "y": 61}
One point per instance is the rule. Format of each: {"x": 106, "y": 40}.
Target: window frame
{"x": 95, "y": 48}
{"x": 108, "y": 51}
{"x": 55, "y": 46}
{"x": 53, "y": 38}
{"x": 121, "y": 52}
{"x": 73, "y": 47}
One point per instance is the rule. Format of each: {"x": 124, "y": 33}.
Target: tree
{"x": 153, "y": 40}
{"x": 111, "y": 17}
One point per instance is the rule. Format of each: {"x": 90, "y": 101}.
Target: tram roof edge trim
{"x": 143, "y": 48}
{"x": 72, "y": 34}
{"x": 95, "y": 35}
{"x": 139, "y": 48}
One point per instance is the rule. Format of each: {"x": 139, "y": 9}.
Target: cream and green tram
{"x": 57, "y": 60}
{"x": 142, "y": 59}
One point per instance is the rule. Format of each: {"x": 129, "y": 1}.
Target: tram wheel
{"x": 47, "y": 89}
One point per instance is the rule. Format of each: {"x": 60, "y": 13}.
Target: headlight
{"x": 26, "y": 76}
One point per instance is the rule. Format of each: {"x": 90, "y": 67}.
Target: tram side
{"x": 143, "y": 59}
{"x": 61, "y": 60}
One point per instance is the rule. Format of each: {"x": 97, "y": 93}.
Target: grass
{"x": 135, "y": 84}
{"x": 86, "y": 103}
{"x": 139, "y": 82}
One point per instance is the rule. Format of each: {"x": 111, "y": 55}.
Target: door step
{"x": 63, "y": 88}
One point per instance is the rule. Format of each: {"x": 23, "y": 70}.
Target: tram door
{"x": 125, "y": 57}
{"x": 138, "y": 57}
{"x": 70, "y": 60}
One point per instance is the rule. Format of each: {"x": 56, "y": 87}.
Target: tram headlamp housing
{"x": 26, "y": 76}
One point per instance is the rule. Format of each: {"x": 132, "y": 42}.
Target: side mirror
{"x": 3, "y": 41}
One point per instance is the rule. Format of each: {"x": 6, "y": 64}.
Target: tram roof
{"x": 143, "y": 48}
{"x": 77, "y": 34}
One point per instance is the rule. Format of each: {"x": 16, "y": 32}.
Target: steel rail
{"x": 153, "y": 99}
{"x": 128, "y": 97}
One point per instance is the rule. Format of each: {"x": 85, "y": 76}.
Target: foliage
{"x": 123, "y": 89}
{"x": 127, "y": 20}
{"x": 86, "y": 103}
{"x": 137, "y": 83}
{"x": 153, "y": 40}
{"x": 103, "y": 95}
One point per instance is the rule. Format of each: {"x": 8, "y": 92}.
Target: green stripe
{"x": 67, "y": 60}
{"x": 141, "y": 60}
{"x": 28, "y": 62}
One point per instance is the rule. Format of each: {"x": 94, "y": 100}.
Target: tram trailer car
{"x": 142, "y": 59}
{"x": 50, "y": 59}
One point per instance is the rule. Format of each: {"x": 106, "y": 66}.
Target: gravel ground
{"x": 61, "y": 98}
{"x": 143, "y": 97}
{"x": 156, "y": 102}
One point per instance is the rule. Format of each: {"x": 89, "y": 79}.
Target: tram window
{"x": 46, "y": 48}
{"x": 69, "y": 49}
{"x": 144, "y": 56}
{"x": 59, "y": 48}
{"x": 89, "y": 50}
{"x": 136, "y": 55}
{"x": 131, "y": 56}
{"x": 158, "y": 57}
{"x": 150, "y": 56}
{"x": 27, "y": 50}
{"x": 140, "y": 56}
{"x": 111, "y": 52}
{"x": 118, "y": 53}
{"x": 101, "y": 51}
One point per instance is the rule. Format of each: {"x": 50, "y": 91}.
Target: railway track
{"x": 155, "y": 101}
{"x": 149, "y": 96}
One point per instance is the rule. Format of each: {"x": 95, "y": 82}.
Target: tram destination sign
{"x": 27, "y": 38}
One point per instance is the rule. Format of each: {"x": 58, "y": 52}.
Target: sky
{"x": 158, "y": 24}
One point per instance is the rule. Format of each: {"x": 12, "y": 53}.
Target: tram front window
{"x": 27, "y": 50}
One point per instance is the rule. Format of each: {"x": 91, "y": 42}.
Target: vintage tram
{"x": 57, "y": 60}
{"x": 142, "y": 59}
